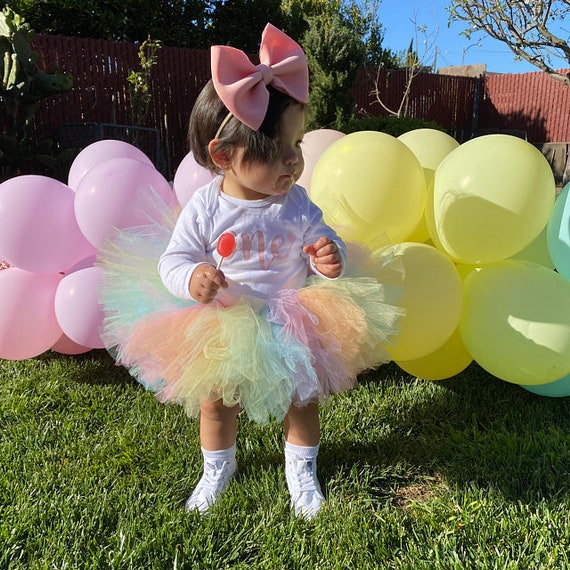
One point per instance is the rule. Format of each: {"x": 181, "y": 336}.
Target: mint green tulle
{"x": 297, "y": 348}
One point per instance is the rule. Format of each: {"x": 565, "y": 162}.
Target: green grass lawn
{"x": 470, "y": 472}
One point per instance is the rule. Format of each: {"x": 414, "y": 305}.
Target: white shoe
{"x": 304, "y": 488}
{"x": 217, "y": 476}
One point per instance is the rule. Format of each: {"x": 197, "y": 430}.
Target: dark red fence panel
{"x": 100, "y": 88}
{"x": 448, "y": 100}
{"x": 532, "y": 102}
{"x": 99, "y": 69}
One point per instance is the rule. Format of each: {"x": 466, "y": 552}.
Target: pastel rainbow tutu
{"x": 296, "y": 348}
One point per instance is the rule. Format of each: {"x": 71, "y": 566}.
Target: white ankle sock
{"x": 301, "y": 473}
{"x": 306, "y": 452}
{"x": 219, "y": 454}
{"x": 219, "y": 468}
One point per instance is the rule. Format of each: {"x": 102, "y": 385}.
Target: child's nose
{"x": 291, "y": 156}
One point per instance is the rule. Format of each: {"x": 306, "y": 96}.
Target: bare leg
{"x": 218, "y": 430}
{"x": 301, "y": 425}
{"x": 218, "y": 425}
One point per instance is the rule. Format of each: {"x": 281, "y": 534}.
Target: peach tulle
{"x": 296, "y": 348}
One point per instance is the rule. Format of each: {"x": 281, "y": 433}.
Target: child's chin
{"x": 284, "y": 185}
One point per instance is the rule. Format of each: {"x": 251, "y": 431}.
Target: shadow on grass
{"x": 96, "y": 368}
{"x": 472, "y": 430}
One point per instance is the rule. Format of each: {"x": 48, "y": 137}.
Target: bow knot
{"x": 242, "y": 86}
{"x": 266, "y": 73}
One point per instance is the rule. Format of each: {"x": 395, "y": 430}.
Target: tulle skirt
{"x": 296, "y": 348}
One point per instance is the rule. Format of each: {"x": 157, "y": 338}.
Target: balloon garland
{"x": 483, "y": 239}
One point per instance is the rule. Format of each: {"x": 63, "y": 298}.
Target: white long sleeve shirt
{"x": 270, "y": 236}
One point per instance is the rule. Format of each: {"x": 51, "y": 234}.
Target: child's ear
{"x": 219, "y": 157}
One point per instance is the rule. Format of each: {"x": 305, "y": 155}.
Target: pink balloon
{"x": 84, "y": 263}
{"x": 118, "y": 193}
{"x": 314, "y": 144}
{"x": 190, "y": 176}
{"x": 38, "y": 229}
{"x": 101, "y": 151}
{"x": 77, "y": 307}
{"x": 28, "y": 326}
{"x": 65, "y": 345}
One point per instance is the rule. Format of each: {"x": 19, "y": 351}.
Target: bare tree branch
{"x": 414, "y": 62}
{"x": 533, "y": 30}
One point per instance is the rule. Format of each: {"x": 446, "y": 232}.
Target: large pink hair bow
{"x": 242, "y": 86}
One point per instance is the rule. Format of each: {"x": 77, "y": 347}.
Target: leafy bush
{"x": 334, "y": 55}
{"x": 394, "y": 126}
{"x": 24, "y": 85}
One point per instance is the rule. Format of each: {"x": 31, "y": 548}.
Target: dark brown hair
{"x": 259, "y": 146}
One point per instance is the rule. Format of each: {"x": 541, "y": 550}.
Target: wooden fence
{"x": 533, "y": 102}
{"x": 100, "y": 91}
{"x": 448, "y": 100}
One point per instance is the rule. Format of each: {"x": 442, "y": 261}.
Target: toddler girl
{"x": 277, "y": 328}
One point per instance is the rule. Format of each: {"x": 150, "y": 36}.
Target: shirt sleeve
{"x": 316, "y": 228}
{"x": 185, "y": 251}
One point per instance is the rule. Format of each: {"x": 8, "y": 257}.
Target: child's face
{"x": 256, "y": 181}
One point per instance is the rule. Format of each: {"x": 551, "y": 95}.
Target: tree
{"x": 334, "y": 55}
{"x": 180, "y": 23}
{"x": 413, "y": 62}
{"x": 240, "y": 22}
{"x": 532, "y": 29}
{"x": 361, "y": 16}
{"x": 140, "y": 81}
{"x": 200, "y": 23}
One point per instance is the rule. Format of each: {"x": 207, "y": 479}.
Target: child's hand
{"x": 205, "y": 282}
{"x": 325, "y": 257}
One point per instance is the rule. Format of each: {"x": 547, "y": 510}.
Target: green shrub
{"x": 394, "y": 126}
{"x": 334, "y": 54}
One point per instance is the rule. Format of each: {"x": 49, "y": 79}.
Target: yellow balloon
{"x": 370, "y": 187}
{"x": 465, "y": 270}
{"x": 432, "y": 298}
{"x": 516, "y": 321}
{"x": 536, "y": 251}
{"x": 448, "y": 360}
{"x": 493, "y": 195}
{"x": 429, "y": 145}
{"x": 420, "y": 233}
{"x": 429, "y": 216}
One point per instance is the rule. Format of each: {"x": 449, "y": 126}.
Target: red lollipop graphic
{"x": 225, "y": 247}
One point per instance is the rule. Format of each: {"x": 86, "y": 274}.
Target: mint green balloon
{"x": 558, "y": 233}
{"x": 557, "y": 389}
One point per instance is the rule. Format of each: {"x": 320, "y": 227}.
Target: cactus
{"x": 24, "y": 85}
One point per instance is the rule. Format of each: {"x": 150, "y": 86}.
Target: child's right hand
{"x": 205, "y": 282}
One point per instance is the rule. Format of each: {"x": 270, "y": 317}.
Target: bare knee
{"x": 216, "y": 411}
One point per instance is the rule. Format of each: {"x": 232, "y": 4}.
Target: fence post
{"x": 476, "y": 102}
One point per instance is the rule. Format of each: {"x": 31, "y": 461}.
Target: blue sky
{"x": 397, "y": 17}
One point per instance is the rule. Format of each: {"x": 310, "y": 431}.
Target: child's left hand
{"x": 325, "y": 257}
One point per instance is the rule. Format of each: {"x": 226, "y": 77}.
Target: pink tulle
{"x": 298, "y": 348}
{"x": 294, "y": 349}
